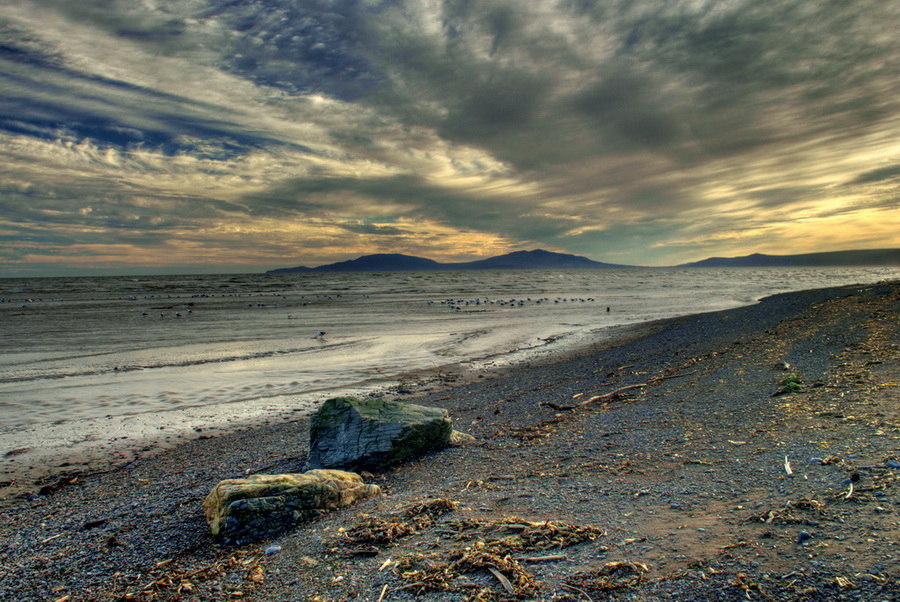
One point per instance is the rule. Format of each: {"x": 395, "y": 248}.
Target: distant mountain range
{"x": 547, "y": 260}
{"x": 872, "y": 257}
{"x": 519, "y": 260}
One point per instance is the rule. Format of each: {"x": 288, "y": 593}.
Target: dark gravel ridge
{"x": 687, "y": 475}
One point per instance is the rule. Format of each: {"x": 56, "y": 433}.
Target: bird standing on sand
{"x": 321, "y": 335}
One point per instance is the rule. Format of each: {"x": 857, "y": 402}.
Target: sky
{"x": 213, "y": 136}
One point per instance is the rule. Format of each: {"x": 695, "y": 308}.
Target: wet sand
{"x": 705, "y": 481}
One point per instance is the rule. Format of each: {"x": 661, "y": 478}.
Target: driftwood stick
{"x": 607, "y": 396}
{"x": 503, "y": 580}
{"x": 383, "y": 592}
{"x": 612, "y": 394}
{"x": 577, "y": 589}
{"x": 595, "y": 398}
{"x": 546, "y": 558}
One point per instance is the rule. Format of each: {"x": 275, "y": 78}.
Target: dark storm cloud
{"x": 672, "y": 74}
{"x": 631, "y": 111}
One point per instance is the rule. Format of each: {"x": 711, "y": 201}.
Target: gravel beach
{"x": 749, "y": 454}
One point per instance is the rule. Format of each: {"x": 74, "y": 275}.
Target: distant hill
{"x": 535, "y": 260}
{"x": 872, "y": 257}
{"x": 519, "y": 260}
{"x": 547, "y": 260}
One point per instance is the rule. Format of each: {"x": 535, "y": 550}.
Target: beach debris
{"x": 606, "y": 397}
{"x": 52, "y": 537}
{"x": 544, "y": 558}
{"x": 383, "y": 592}
{"x": 788, "y": 514}
{"x": 491, "y": 547}
{"x": 433, "y": 508}
{"x": 541, "y": 430}
{"x": 611, "y": 576}
{"x": 507, "y": 585}
{"x": 412, "y": 519}
{"x": 259, "y": 506}
{"x": 515, "y": 535}
{"x": 374, "y": 530}
{"x": 747, "y": 585}
{"x": 352, "y": 433}
{"x": 787, "y": 467}
{"x": 238, "y": 574}
{"x": 367, "y": 551}
{"x": 51, "y": 488}
{"x": 833, "y": 460}
{"x": 616, "y": 394}
{"x": 843, "y": 582}
{"x": 430, "y": 573}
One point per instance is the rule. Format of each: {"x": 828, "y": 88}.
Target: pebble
{"x": 893, "y": 463}
{"x": 802, "y": 536}
{"x": 272, "y": 549}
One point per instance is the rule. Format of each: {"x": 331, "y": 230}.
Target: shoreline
{"x": 58, "y": 452}
{"x": 41, "y": 455}
{"x": 686, "y": 478}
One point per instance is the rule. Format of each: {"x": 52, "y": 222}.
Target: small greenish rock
{"x": 260, "y": 506}
{"x": 355, "y": 434}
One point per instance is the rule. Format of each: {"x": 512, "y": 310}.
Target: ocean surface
{"x": 178, "y": 351}
{"x": 88, "y": 347}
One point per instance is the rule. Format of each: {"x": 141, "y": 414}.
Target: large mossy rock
{"x": 260, "y": 506}
{"x": 355, "y": 434}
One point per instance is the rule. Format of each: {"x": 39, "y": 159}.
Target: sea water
{"x": 79, "y": 355}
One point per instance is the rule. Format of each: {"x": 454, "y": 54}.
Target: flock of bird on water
{"x": 451, "y": 303}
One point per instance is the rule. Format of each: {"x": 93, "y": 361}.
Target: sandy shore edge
{"x": 40, "y": 456}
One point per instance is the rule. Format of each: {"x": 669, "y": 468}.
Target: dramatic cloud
{"x": 214, "y": 135}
